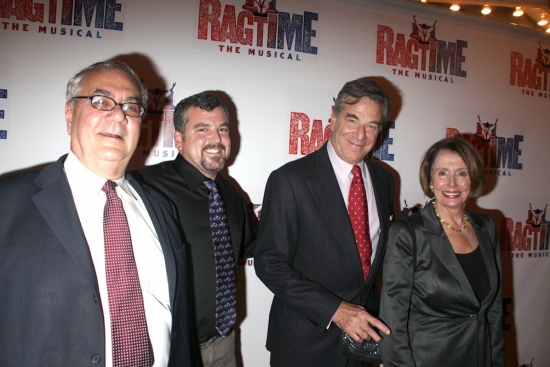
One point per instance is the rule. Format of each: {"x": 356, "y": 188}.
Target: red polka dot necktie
{"x": 131, "y": 344}
{"x": 358, "y": 211}
{"x": 226, "y": 302}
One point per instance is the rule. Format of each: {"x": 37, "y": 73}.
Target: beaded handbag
{"x": 368, "y": 351}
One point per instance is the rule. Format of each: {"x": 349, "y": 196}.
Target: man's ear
{"x": 178, "y": 139}
{"x": 69, "y": 107}
{"x": 332, "y": 119}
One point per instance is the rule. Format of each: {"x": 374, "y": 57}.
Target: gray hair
{"x": 203, "y": 101}
{"x": 75, "y": 84}
{"x": 352, "y": 92}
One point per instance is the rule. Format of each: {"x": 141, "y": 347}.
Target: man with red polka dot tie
{"x": 322, "y": 234}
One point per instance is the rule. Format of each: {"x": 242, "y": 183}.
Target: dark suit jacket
{"x": 435, "y": 317}
{"x": 50, "y": 311}
{"x": 307, "y": 256}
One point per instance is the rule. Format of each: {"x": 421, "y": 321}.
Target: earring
{"x": 431, "y": 188}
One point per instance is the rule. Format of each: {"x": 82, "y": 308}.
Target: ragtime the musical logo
{"x": 258, "y": 29}
{"x": 530, "y": 76}
{"x": 529, "y": 239}
{"x": 501, "y": 155}
{"x": 78, "y": 18}
{"x": 421, "y": 55}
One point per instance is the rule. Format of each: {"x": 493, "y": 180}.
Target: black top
{"x": 474, "y": 267}
{"x": 182, "y": 183}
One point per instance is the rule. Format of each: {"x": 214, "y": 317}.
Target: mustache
{"x": 219, "y": 146}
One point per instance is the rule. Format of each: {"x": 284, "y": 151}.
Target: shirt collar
{"x": 192, "y": 175}
{"x": 87, "y": 180}
{"x": 341, "y": 167}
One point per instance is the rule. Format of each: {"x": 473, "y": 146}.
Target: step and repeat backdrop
{"x": 278, "y": 65}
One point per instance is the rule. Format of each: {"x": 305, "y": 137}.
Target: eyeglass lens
{"x": 105, "y": 103}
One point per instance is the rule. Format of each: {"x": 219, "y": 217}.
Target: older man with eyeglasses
{"x": 92, "y": 266}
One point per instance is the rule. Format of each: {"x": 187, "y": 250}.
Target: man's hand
{"x": 358, "y": 323}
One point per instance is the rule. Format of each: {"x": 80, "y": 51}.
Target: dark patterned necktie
{"x": 131, "y": 344}
{"x": 226, "y": 312}
{"x": 358, "y": 211}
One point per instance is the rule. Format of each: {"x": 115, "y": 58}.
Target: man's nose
{"x": 118, "y": 114}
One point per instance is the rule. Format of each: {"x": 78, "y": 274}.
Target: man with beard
{"x": 200, "y": 194}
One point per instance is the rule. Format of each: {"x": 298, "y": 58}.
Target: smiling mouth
{"x": 357, "y": 144}
{"x": 452, "y": 194}
{"x": 113, "y": 136}
{"x": 214, "y": 149}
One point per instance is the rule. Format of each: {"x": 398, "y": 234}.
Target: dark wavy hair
{"x": 203, "y": 101}
{"x": 352, "y": 92}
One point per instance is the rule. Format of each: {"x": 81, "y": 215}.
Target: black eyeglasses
{"x": 104, "y": 103}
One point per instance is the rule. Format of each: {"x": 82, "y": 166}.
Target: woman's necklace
{"x": 466, "y": 221}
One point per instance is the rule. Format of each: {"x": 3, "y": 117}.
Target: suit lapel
{"x": 441, "y": 247}
{"x": 381, "y": 196}
{"x": 56, "y": 204}
{"x": 158, "y": 216}
{"x": 326, "y": 192}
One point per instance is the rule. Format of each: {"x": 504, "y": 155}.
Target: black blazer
{"x": 50, "y": 311}
{"x": 307, "y": 256}
{"x": 180, "y": 182}
{"x": 433, "y": 313}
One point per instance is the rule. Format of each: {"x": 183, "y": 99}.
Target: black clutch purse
{"x": 368, "y": 351}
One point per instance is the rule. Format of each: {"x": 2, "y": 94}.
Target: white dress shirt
{"x": 344, "y": 177}
{"x": 90, "y": 202}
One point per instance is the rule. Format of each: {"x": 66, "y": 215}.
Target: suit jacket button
{"x": 96, "y": 359}
{"x": 95, "y": 298}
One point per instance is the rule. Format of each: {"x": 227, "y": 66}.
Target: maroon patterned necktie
{"x": 358, "y": 211}
{"x": 131, "y": 344}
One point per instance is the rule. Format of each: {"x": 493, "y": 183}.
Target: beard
{"x": 214, "y": 164}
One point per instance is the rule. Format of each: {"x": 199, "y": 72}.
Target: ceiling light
{"x": 422, "y": 1}
{"x": 455, "y": 7}
{"x": 543, "y": 20}
{"x": 486, "y": 10}
{"x": 518, "y": 12}
{"x": 548, "y": 30}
